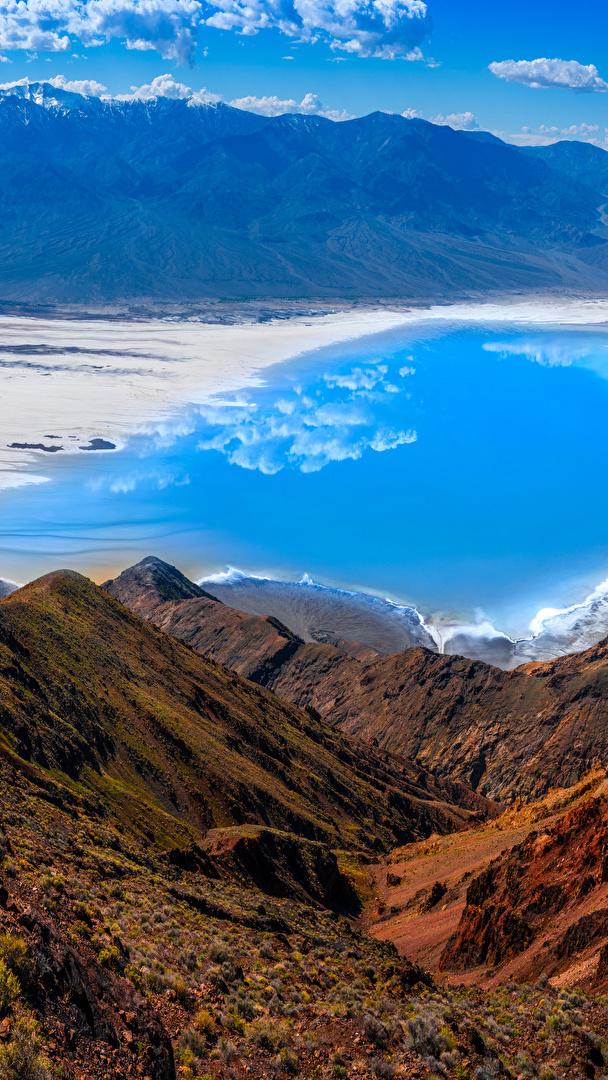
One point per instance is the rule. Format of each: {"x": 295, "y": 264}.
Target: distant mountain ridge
{"x": 106, "y": 200}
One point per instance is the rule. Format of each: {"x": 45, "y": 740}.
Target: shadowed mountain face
{"x": 106, "y": 707}
{"x": 125, "y": 200}
{"x": 502, "y": 733}
{"x": 583, "y": 162}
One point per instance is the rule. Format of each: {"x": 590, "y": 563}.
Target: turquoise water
{"x": 461, "y": 469}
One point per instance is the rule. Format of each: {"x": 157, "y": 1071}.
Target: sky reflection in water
{"x": 459, "y": 470}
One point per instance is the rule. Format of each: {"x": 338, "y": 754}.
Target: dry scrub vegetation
{"x": 242, "y": 984}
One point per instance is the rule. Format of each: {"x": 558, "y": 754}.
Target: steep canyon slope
{"x": 502, "y": 733}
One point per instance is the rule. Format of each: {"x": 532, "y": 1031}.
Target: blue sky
{"x": 352, "y": 64}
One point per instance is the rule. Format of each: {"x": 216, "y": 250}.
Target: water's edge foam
{"x": 319, "y": 613}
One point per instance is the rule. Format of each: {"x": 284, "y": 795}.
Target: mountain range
{"x": 502, "y": 733}
{"x": 103, "y": 201}
{"x": 200, "y": 876}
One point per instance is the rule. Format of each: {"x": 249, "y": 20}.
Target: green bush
{"x": 10, "y": 988}
{"x": 110, "y": 957}
{"x": 13, "y": 951}
{"x": 270, "y": 1034}
{"x": 20, "y": 1059}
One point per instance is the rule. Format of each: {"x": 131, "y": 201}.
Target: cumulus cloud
{"x": 302, "y": 431}
{"x": 543, "y": 73}
{"x": 168, "y": 26}
{"x": 166, "y": 86}
{"x": 382, "y": 28}
{"x": 88, "y": 87}
{"x": 464, "y": 120}
{"x": 274, "y": 106}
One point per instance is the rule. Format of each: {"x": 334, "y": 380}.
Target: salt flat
{"x": 64, "y": 382}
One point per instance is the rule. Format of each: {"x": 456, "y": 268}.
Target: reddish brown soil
{"x": 484, "y": 941}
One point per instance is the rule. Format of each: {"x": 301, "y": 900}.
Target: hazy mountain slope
{"x": 583, "y": 162}
{"x": 505, "y": 733}
{"x": 109, "y": 200}
{"x": 127, "y": 716}
{"x": 519, "y": 732}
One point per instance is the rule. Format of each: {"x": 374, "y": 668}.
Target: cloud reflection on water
{"x": 337, "y": 419}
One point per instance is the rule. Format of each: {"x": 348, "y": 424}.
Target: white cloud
{"x": 466, "y": 121}
{"x": 274, "y": 106}
{"x": 166, "y": 86}
{"x": 5, "y": 60}
{"x": 168, "y": 26}
{"x": 545, "y": 135}
{"x": 382, "y": 28}
{"x": 304, "y": 431}
{"x": 88, "y": 87}
{"x": 411, "y": 114}
{"x": 543, "y": 73}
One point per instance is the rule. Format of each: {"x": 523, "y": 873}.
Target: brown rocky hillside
{"x": 541, "y": 907}
{"x": 176, "y": 844}
{"x": 512, "y": 733}
{"x": 110, "y": 711}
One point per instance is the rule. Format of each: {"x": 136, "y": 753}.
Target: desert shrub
{"x": 226, "y": 1050}
{"x": 10, "y": 988}
{"x": 375, "y": 1030}
{"x": 20, "y": 1059}
{"x": 191, "y": 1039}
{"x": 84, "y": 912}
{"x": 205, "y": 1023}
{"x": 13, "y": 951}
{"x": 270, "y": 1035}
{"x": 220, "y": 953}
{"x": 382, "y": 1068}
{"x": 555, "y": 1022}
{"x": 427, "y": 1037}
{"x": 285, "y": 1062}
{"x": 136, "y": 977}
{"x": 523, "y": 1063}
{"x": 111, "y": 957}
{"x": 488, "y": 1071}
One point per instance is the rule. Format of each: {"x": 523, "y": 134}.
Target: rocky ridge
{"x": 505, "y": 734}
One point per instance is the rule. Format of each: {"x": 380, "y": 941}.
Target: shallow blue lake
{"x": 460, "y": 469}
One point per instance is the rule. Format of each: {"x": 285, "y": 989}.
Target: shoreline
{"x": 110, "y": 378}
{"x": 390, "y": 626}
